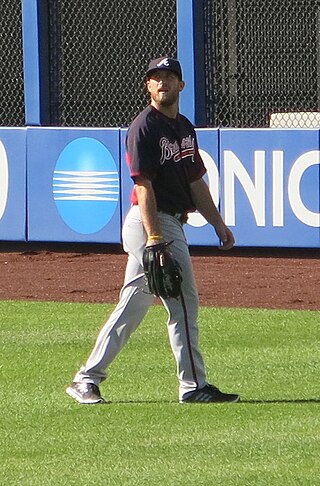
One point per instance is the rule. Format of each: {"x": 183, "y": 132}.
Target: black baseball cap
{"x": 166, "y": 63}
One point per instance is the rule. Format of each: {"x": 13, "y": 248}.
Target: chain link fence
{"x": 262, "y": 58}
{"x": 11, "y": 62}
{"x": 99, "y": 52}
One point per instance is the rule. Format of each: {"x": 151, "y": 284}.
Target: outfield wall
{"x": 72, "y": 185}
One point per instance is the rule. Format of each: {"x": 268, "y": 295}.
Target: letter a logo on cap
{"x": 164, "y": 62}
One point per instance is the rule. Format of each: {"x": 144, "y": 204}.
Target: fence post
{"x": 190, "y": 40}
{"x": 36, "y": 61}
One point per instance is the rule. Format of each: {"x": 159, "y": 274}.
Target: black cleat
{"x": 86, "y": 393}
{"x": 210, "y": 394}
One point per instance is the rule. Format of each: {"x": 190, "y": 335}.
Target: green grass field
{"x": 144, "y": 437}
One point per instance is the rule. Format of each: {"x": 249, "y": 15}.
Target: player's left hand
{"x": 226, "y": 236}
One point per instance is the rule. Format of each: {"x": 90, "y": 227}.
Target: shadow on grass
{"x": 284, "y": 400}
{"x": 252, "y": 401}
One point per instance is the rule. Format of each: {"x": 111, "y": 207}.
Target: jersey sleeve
{"x": 140, "y": 152}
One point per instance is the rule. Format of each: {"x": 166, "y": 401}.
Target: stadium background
{"x": 258, "y": 59}
{"x": 85, "y": 69}
{"x": 270, "y": 357}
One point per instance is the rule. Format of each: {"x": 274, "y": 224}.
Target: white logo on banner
{"x": 255, "y": 189}
{"x": 4, "y": 179}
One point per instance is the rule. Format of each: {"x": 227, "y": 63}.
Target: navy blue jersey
{"x": 165, "y": 151}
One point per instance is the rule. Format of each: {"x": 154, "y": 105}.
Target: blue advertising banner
{"x": 73, "y": 185}
{"x": 13, "y": 184}
{"x": 265, "y": 181}
{"x": 270, "y": 186}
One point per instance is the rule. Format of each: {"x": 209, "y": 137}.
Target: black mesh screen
{"x": 261, "y": 57}
{"x": 11, "y": 63}
{"x": 99, "y": 52}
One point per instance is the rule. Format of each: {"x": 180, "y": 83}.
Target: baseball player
{"x": 167, "y": 171}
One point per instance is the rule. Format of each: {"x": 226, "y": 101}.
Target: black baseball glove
{"x": 162, "y": 271}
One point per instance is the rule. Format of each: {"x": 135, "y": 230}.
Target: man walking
{"x": 167, "y": 171}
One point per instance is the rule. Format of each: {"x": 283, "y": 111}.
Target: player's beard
{"x": 166, "y": 98}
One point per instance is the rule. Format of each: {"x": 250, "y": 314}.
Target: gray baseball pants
{"x": 135, "y": 301}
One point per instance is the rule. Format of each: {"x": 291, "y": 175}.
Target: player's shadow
{"x": 249, "y": 401}
{"x": 284, "y": 400}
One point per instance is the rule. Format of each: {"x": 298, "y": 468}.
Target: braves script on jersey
{"x": 165, "y": 151}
